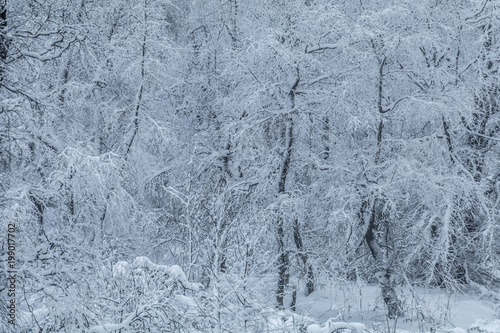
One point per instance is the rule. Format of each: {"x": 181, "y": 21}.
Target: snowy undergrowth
{"x": 146, "y": 294}
{"x": 164, "y": 299}
{"x": 358, "y": 308}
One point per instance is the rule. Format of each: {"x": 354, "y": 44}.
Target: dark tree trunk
{"x": 379, "y": 223}
{"x": 383, "y": 260}
{"x": 222, "y": 229}
{"x": 283, "y": 264}
{"x": 4, "y": 42}
{"x": 283, "y": 256}
{"x": 141, "y": 88}
{"x": 326, "y": 137}
{"x": 39, "y": 212}
{"x": 304, "y": 258}
{"x": 4, "y": 47}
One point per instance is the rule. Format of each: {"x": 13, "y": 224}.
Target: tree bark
{"x": 283, "y": 256}
{"x": 4, "y": 47}
{"x": 377, "y": 220}
{"x": 383, "y": 260}
{"x": 304, "y": 258}
{"x": 143, "y": 75}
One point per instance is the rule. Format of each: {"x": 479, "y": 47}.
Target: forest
{"x": 215, "y": 165}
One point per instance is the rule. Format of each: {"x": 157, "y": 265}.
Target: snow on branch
{"x": 322, "y": 47}
{"x": 46, "y": 56}
{"x": 148, "y": 293}
{"x": 141, "y": 265}
{"x": 331, "y": 326}
{"x": 124, "y": 324}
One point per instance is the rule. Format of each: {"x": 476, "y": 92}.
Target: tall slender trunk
{"x": 39, "y": 213}
{"x": 3, "y": 24}
{"x": 222, "y": 227}
{"x": 283, "y": 263}
{"x": 283, "y": 256}
{"x": 297, "y": 237}
{"x": 378, "y": 220}
{"x": 4, "y": 41}
{"x": 4, "y": 47}
{"x": 384, "y": 261}
{"x": 143, "y": 75}
{"x": 326, "y": 137}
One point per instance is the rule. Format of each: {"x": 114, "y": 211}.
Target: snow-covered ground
{"x": 358, "y": 308}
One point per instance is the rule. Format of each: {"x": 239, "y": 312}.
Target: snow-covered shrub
{"x": 146, "y": 296}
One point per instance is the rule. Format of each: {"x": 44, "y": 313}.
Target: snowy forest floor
{"x": 359, "y": 308}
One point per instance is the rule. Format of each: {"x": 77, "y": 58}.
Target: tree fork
{"x": 382, "y": 258}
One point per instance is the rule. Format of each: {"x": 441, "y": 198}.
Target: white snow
{"x": 120, "y": 269}
{"x": 315, "y": 328}
{"x": 466, "y": 312}
{"x": 360, "y": 309}
{"x": 186, "y": 301}
{"x": 331, "y": 327}
{"x": 482, "y": 326}
{"x": 143, "y": 262}
{"x": 177, "y": 273}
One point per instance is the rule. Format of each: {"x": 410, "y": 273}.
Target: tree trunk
{"x": 303, "y": 256}
{"x": 283, "y": 257}
{"x": 39, "y": 213}
{"x": 4, "y": 46}
{"x": 383, "y": 260}
{"x": 143, "y": 75}
{"x": 4, "y": 42}
{"x": 283, "y": 264}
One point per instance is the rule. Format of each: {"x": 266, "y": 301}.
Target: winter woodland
{"x": 215, "y": 165}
